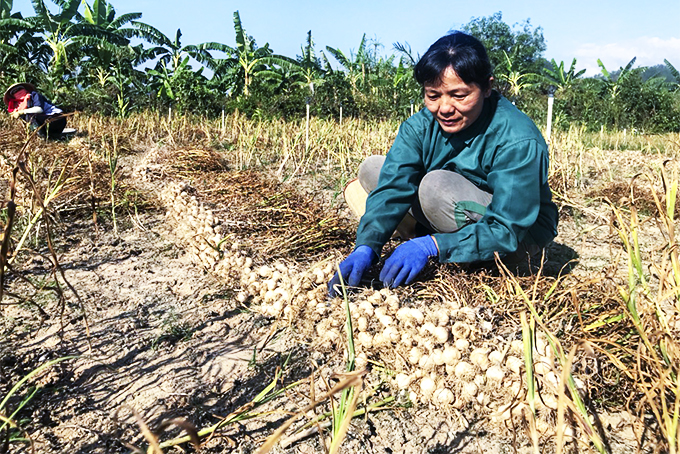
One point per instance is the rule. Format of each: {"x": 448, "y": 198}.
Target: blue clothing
{"x": 502, "y": 153}
{"x": 50, "y": 111}
{"x": 39, "y": 100}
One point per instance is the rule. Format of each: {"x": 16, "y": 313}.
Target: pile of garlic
{"x": 279, "y": 290}
{"x": 442, "y": 354}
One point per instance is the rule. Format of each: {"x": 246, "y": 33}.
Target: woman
{"x": 470, "y": 168}
{"x": 24, "y": 101}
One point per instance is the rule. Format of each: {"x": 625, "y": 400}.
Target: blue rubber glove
{"x": 407, "y": 261}
{"x": 352, "y": 269}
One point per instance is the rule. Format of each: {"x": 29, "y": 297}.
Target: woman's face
{"x": 455, "y": 104}
{"x": 19, "y": 94}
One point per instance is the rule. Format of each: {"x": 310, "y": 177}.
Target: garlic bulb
{"x": 465, "y": 371}
{"x": 414, "y": 355}
{"x": 469, "y": 391}
{"x": 440, "y": 334}
{"x": 451, "y": 355}
{"x": 462, "y": 345}
{"x": 480, "y": 358}
{"x": 437, "y": 357}
{"x": 443, "y": 396}
{"x": 427, "y": 386}
{"x": 461, "y": 330}
{"x": 514, "y": 364}
{"x": 495, "y": 375}
{"x": 496, "y": 357}
{"x": 403, "y": 380}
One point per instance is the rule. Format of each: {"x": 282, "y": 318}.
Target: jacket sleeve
{"x": 515, "y": 179}
{"x": 399, "y": 178}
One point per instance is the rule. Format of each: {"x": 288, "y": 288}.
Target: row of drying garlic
{"x": 278, "y": 288}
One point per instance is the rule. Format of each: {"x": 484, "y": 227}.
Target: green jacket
{"x": 502, "y": 153}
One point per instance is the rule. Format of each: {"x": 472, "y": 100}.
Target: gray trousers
{"x": 446, "y": 202}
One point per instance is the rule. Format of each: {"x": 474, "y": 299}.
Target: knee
{"x": 431, "y": 190}
{"x": 369, "y": 171}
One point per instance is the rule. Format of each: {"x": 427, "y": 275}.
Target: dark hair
{"x": 464, "y": 53}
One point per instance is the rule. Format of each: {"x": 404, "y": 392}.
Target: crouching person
{"x": 23, "y": 101}
{"x": 466, "y": 177}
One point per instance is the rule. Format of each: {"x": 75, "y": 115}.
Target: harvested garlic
{"x": 365, "y": 339}
{"x": 417, "y": 316}
{"x": 427, "y": 386}
{"x": 437, "y": 357}
{"x": 392, "y": 302}
{"x": 442, "y": 317}
{"x": 496, "y": 357}
{"x": 367, "y": 308}
{"x": 480, "y": 358}
{"x": 427, "y": 328}
{"x": 380, "y": 340}
{"x": 264, "y": 271}
{"x": 414, "y": 355}
{"x": 462, "y": 345}
{"x": 361, "y": 361}
{"x": 403, "y": 380}
{"x": 440, "y": 334}
{"x": 552, "y": 379}
{"x": 426, "y": 363}
{"x": 386, "y": 320}
{"x": 444, "y": 396}
{"x": 380, "y": 311}
{"x": 242, "y": 297}
{"x": 541, "y": 367}
{"x": 269, "y": 296}
{"x": 406, "y": 339}
{"x": 404, "y": 314}
{"x": 483, "y": 398}
{"x": 464, "y": 371}
{"x": 517, "y": 347}
{"x": 461, "y": 330}
{"x": 468, "y": 391}
{"x": 514, "y": 364}
{"x": 495, "y": 375}
{"x": 467, "y": 313}
{"x": 392, "y": 334}
{"x": 451, "y": 355}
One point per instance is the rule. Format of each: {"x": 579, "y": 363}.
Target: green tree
{"x": 522, "y": 42}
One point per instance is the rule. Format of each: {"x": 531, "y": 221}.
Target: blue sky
{"x": 614, "y": 31}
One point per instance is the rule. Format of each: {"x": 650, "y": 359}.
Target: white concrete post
{"x": 548, "y": 128}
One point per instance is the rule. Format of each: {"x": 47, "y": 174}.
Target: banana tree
{"x": 102, "y": 16}
{"x": 674, "y": 72}
{"x": 561, "y": 79}
{"x": 244, "y": 62}
{"x": 514, "y": 79}
{"x": 55, "y": 42}
{"x": 613, "y": 83}
{"x": 357, "y": 66}
{"x": 15, "y": 42}
{"x": 308, "y": 67}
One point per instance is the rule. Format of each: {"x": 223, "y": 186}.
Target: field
{"x": 164, "y": 287}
